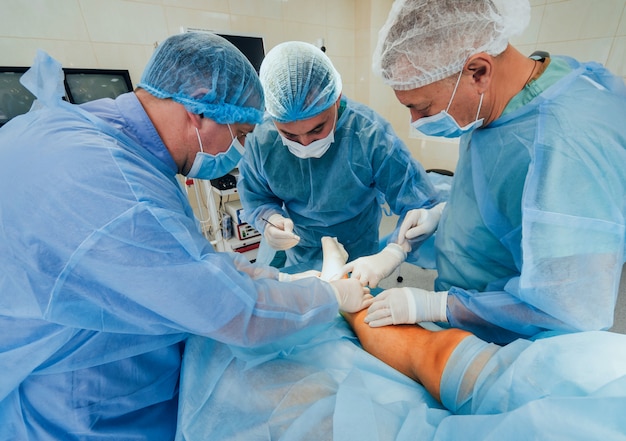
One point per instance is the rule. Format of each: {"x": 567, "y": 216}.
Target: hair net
{"x": 299, "y": 81}
{"x": 424, "y": 41}
{"x": 208, "y": 75}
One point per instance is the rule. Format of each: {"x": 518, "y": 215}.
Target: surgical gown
{"x": 104, "y": 274}
{"x": 560, "y": 387}
{"x": 338, "y": 195}
{"x": 532, "y": 237}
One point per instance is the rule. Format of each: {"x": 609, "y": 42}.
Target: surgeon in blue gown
{"x": 321, "y": 164}
{"x": 103, "y": 270}
{"x": 532, "y": 236}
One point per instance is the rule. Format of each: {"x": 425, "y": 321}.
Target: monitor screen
{"x": 84, "y": 85}
{"x": 15, "y": 99}
{"x": 250, "y": 46}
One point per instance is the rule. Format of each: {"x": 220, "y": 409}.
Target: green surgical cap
{"x": 424, "y": 41}
{"x": 299, "y": 81}
{"x": 208, "y": 75}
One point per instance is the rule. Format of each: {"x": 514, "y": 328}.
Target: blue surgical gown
{"x": 339, "y": 194}
{"x": 532, "y": 237}
{"x": 559, "y": 387}
{"x": 104, "y": 274}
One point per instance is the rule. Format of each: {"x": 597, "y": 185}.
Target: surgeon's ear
{"x": 480, "y": 66}
{"x": 195, "y": 119}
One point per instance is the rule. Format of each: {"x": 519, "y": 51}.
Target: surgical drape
{"x": 559, "y": 387}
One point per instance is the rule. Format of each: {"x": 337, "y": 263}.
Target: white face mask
{"x": 316, "y": 149}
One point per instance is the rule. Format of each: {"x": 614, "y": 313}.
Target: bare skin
{"x": 416, "y": 352}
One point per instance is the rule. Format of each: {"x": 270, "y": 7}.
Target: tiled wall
{"x": 590, "y": 30}
{"x": 122, "y": 33}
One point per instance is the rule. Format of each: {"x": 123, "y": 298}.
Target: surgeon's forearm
{"x": 416, "y": 352}
{"x": 255, "y": 271}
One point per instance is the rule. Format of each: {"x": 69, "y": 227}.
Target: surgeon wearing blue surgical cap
{"x": 321, "y": 164}
{"x": 532, "y": 237}
{"x": 104, "y": 271}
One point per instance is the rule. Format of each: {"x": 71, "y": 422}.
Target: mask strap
{"x": 199, "y": 140}
{"x": 454, "y": 91}
{"x": 480, "y": 104}
{"x": 231, "y": 132}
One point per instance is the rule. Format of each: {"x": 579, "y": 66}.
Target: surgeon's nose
{"x": 415, "y": 115}
{"x": 307, "y": 139}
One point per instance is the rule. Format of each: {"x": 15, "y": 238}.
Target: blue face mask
{"x": 206, "y": 166}
{"x": 443, "y": 124}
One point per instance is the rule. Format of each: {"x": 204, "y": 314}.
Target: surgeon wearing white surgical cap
{"x": 104, "y": 271}
{"x": 321, "y": 164}
{"x": 532, "y": 236}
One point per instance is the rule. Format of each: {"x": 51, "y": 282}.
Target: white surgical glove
{"x": 351, "y": 296}
{"x": 279, "y": 233}
{"x": 419, "y": 222}
{"x": 285, "y": 277}
{"x": 370, "y": 270}
{"x": 397, "y": 306}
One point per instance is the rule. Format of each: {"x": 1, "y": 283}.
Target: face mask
{"x": 443, "y": 124}
{"x": 206, "y": 166}
{"x": 316, "y": 149}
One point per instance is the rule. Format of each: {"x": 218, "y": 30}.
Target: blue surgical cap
{"x": 208, "y": 75}
{"x": 299, "y": 81}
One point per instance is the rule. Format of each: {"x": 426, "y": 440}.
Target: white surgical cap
{"x": 299, "y": 81}
{"x": 424, "y": 41}
{"x": 208, "y": 75}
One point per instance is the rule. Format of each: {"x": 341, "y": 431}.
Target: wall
{"x": 121, "y": 34}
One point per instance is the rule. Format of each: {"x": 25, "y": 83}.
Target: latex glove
{"x": 284, "y": 277}
{"x": 279, "y": 233}
{"x": 351, "y": 296}
{"x": 420, "y": 222}
{"x": 370, "y": 270}
{"x": 397, "y": 306}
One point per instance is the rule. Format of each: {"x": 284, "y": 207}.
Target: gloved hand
{"x": 285, "y": 277}
{"x": 279, "y": 233}
{"x": 351, "y": 296}
{"x": 419, "y": 222}
{"x": 397, "y": 306}
{"x": 370, "y": 270}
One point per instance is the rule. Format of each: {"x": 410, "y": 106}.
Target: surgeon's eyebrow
{"x": 314, "y": 130}
{"x": 419, "y": 106}
{"x": 422, "y": 108}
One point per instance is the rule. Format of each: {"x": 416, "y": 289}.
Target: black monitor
{"x": 84, "y": 85}
{"x": 251, "y": 46}
{"x": 15, "y": 99}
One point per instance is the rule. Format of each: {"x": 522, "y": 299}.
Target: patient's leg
{"x": 418, "y": 353}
